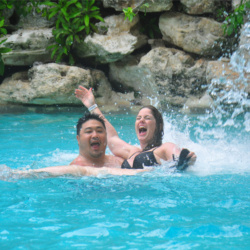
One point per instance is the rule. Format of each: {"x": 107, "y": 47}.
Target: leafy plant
{"x": 73, "y": 23}
{"x": 129, "y": 14}
{"x": 4, "y": 4}
{"x": 21, "y": 8}
{"x": 150, "y": 26}
{"x": 3, "y": 50}
{"x": 234, "y": 21}
{"x": 145, "y": 6}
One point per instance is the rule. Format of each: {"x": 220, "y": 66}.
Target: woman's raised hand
{"x": 86, "y": 96}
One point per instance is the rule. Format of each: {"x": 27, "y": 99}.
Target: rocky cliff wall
{"x": 125, "y": 67}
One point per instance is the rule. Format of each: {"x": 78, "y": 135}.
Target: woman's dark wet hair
{"x": 86, "y": 118}
{"x": 158, "y": 134}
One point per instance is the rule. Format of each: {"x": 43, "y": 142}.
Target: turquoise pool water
{"x": 207, "y": 207}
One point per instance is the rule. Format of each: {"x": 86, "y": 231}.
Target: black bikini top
{"x": 146, "y": 158}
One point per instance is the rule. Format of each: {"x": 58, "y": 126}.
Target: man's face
{"x": 92, "y": 139}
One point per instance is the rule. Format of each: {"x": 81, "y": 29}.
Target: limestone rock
{"x": 199, "y": 35}
{"x": 220, "y": 70}
{"x": 236, "y": 3}
{"x": 45, "y": 85}
{"x": 118, "y": 42}
{"x": 157, "y": 5}
{"x": 229, "y": 89}
{"x": 198, "y": 7}
{"x": 107, "y": 99}
{"x": 154, "y": 6}
{"x": 198, "y": 105}
{"x": 119, "y": 5}
{"x": 52, "y": 84}
{"x": 223, "y": 78}
{"x": 7, "y": 13}
{"x": 28, "y": 46}
{"x": 117, "y": 102}
{"x": 34, "y": 20}
{"x": 241, "y": 57}
{"x": 130, "y": 76}
{"x": 163, "y": 73}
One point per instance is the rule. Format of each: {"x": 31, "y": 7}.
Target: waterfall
{"x": 240, "y": 59}
{"x": 231, "y": 95}
{"x": 221, "y": 137}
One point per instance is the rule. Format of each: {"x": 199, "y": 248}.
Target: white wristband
{"x": 92, "y": 107}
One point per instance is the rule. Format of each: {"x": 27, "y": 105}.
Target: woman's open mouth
{"x": 142, "y": 130}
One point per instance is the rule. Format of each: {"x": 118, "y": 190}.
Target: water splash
{"x": 221, "y": 138}
{"x": 230, "y": 95}
{"x": 221, "y": 145}
{"x": 240, "y": 59}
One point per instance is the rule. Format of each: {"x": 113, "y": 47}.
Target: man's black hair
{"x": 86, "y": 118}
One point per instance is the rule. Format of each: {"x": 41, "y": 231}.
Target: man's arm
{"x": 113, "y": 171}
{"x": 74, "y": 170}
{"x": 55, "y": 171}
{"x": 77, "y": 170}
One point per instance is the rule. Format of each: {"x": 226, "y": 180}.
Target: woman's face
{"x": 145, "y": 125}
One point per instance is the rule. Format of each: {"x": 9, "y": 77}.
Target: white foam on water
{"x": 223, "y": 138}
{"x": 59, "y": 157}
{"x": 222, "y": 146}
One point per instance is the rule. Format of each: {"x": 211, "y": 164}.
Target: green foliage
{"x": 4, "y": 4}
{"x": 73, "y": 23}
{"x": 3, "y": 50}
{"x": 74, "y": 20}
{"x": 150, "y": 26}
{"x": 21, "y": 8}
{"x": 145, "y": 6}
{"x": 129, "y": 14}
{"x": 234, "y": 20}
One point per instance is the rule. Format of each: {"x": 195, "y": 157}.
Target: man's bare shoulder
{"x": 79, "y": 161}
{"x": 109, "y": 161}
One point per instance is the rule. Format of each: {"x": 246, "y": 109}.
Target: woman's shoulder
{"x": 167, "y": 150}
{"x": 168, "y": 145}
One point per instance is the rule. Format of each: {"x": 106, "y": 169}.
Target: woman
{"x": 149, "y": 130}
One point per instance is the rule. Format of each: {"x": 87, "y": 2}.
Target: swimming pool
{"x": 206, "y": 207}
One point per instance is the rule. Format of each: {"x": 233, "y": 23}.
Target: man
{"x": 92, "y": 160}
{"x": 92, "y": 141}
